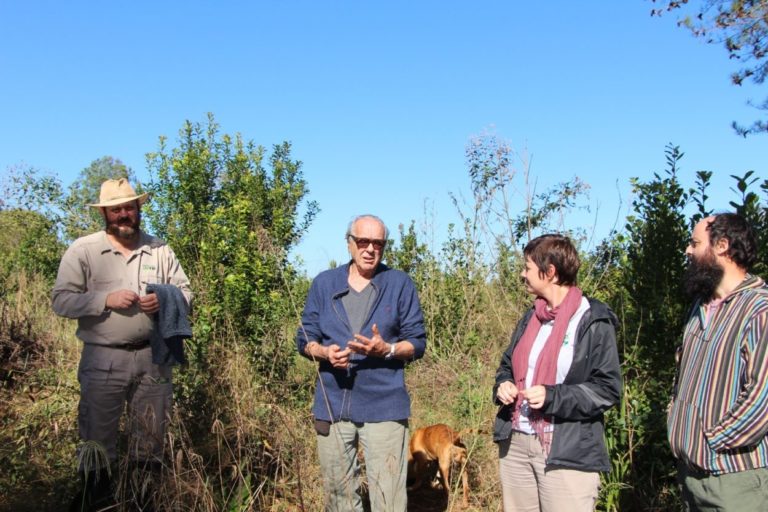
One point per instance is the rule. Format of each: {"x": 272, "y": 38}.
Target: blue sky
{"x": 379, "y": 99}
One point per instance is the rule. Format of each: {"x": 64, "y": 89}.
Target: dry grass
{"x": 457, "y": 392}
{"x": 251, "y": 448}
{"x": 37, "y": 398}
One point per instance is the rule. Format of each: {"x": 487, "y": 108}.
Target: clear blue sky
{"x": 379, "y": 99}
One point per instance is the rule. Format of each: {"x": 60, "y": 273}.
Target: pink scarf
{"x": 545, "y": 371}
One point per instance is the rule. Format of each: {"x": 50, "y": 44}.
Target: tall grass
{"x": 38, "y": 396}
{"x": 236, "y": 440}
{"x": 240, "y": 440}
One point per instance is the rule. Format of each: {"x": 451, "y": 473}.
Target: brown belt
{"x": 132, "y": 346}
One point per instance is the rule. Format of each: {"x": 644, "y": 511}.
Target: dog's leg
{"x": 459, "y": 457}
{"x": 445, "y": 474}
{"x": 465, "y": 484}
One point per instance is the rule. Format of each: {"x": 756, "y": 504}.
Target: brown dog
{"x": 438, "y": 443}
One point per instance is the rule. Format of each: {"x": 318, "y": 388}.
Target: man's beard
{"x": 124, "y": 228}
{"x": 702, "y": 277}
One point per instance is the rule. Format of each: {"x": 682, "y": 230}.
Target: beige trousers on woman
{"x": 529, "y": 486}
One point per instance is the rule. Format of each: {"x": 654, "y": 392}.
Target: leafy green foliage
{"x": 411, "y": 254}
{"x": 657, "y": 233}
{"x": 28, "y": 243}
{"x": 653, "y": 310}
{"x": 699, "y": 196}
{"x": 232, "y": 213}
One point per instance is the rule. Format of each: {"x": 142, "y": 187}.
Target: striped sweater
{"x": 718, "y": 418}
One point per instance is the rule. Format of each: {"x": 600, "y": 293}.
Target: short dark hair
{"x": 742, "y": 245}
{"x": 558, "y": 251}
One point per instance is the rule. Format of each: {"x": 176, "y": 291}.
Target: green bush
{"x": 28, "y": 243}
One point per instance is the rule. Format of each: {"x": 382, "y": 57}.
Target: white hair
{"x": 366, "y": 216}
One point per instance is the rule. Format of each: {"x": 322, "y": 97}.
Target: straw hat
{"x": 114, "y": 192}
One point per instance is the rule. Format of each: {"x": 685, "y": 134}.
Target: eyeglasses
{"x": 363, "y": 243}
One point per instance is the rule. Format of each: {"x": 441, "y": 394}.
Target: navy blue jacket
{"x": 372, "y": 389}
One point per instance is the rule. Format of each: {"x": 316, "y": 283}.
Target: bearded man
{"x": 718, "y": 418}
{"x": 107, "y": 281}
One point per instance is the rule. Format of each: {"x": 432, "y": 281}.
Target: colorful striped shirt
{"x": 718, "y": 418}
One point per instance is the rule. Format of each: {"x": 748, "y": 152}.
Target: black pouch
{"x": 322, "y": 427}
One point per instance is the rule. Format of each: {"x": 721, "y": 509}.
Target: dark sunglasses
{"x": 363, "y": 243}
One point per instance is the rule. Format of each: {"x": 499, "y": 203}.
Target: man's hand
{"x": 337, "y": 357}
{"x": 149, "y": 303}
{"x": 332, "y": 353}
{"x": 535, "y": 396}
{"x": 375, "y": 346}
{"x": 506, "y": 392}
{"x": 121, "y": 299}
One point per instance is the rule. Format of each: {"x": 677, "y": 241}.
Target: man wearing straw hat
{"x": 362, "y": 322}
{"x": 102, "y": 282}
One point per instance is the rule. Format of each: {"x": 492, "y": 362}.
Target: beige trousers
{"x": 110, "y": 379}
{"x": 529, "y": 486}
{"x": 385, "y": 448}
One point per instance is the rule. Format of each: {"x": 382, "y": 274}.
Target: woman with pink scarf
{"x": 558, "y": 376}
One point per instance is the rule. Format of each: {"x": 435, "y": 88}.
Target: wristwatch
{"x": 391, "y": 353}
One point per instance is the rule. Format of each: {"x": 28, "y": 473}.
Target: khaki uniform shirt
{"x": 92, "y": 267}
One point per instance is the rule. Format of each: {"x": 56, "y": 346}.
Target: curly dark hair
{"x": 742, "y": 245}
{"x": 558, "y": 251}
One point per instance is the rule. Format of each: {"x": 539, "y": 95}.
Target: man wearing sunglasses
{"x": 362, "y": 322}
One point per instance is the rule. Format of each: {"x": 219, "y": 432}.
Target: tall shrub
{"x": 232, "y": 211}
{"x": 652, "y": 309}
